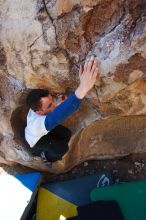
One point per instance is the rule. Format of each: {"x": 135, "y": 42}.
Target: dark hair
{"x": 33, "y": 99}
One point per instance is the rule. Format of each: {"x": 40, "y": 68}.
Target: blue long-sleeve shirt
{"x": 63, "y": 111}
{"x": 40, "y": 125}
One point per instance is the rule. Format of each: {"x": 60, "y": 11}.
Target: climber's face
{"x": 48, "y": 105}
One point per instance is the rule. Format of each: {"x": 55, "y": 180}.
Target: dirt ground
{"x": 124, "y": 169}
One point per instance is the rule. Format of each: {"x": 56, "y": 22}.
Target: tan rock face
{"x": 42, "y": 44}
{"x": 114, "y": 137}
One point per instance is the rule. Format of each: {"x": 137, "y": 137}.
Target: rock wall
{"x": 42, "y": 44}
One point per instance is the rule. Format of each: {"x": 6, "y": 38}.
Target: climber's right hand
{"x": 88, "y": 75}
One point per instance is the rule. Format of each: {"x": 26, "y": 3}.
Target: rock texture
{"x": 42, "y": 44}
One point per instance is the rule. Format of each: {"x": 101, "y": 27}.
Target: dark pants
{"x": 54, "y": 144}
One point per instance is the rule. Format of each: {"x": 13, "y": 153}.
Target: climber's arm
{"x": 62, "y": 111}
